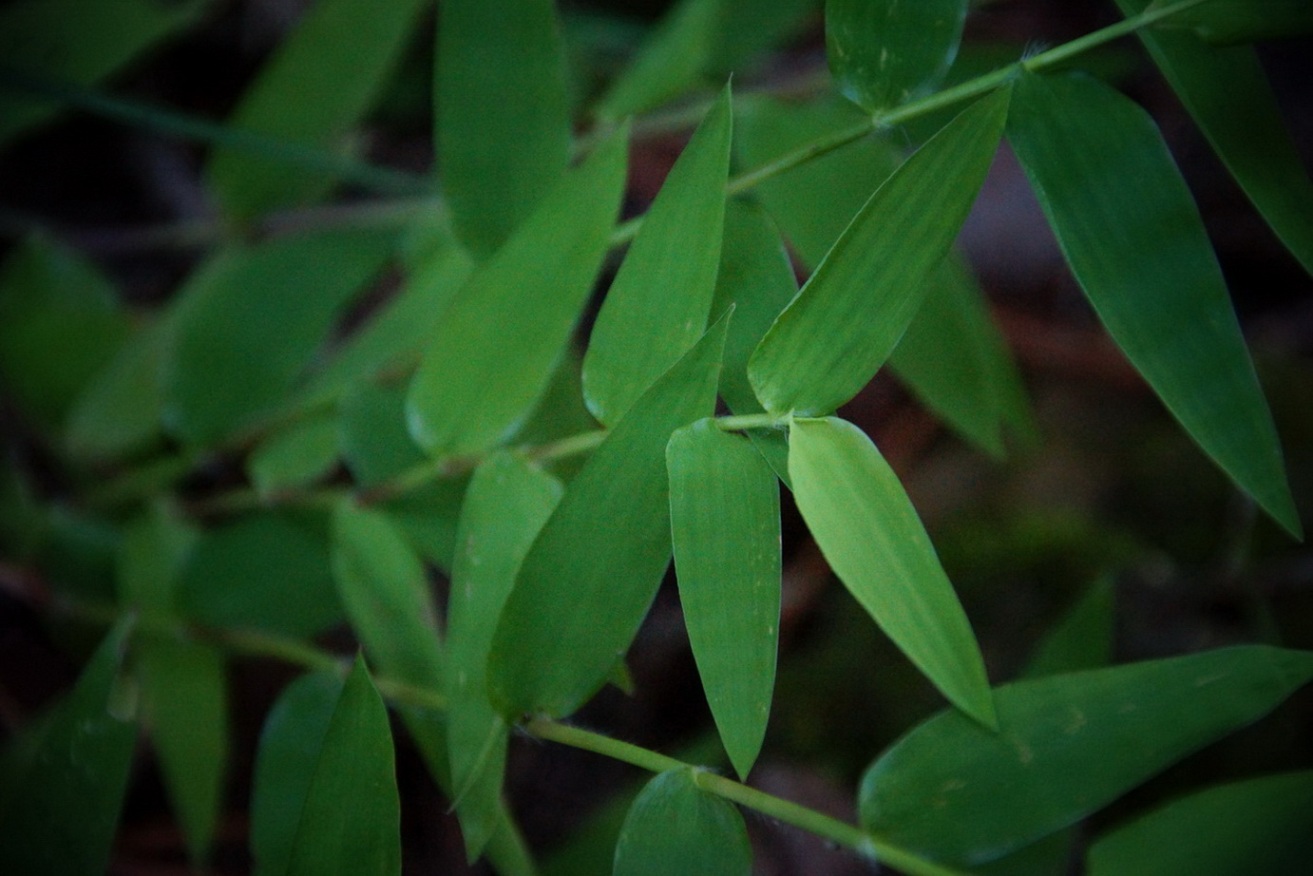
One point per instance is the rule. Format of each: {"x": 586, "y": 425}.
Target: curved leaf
{"x": 672, "y": 823}
{"x": 294, "y": 456}
{"x": 671, "y": 59}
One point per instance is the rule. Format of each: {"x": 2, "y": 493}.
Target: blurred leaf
{"x": 502, "y": 118}
{"x": 295, "y": 455}
{"x": 725, "y": 527}
{"x": 841, "y": 327}
{"x": 318, "y": 85}
{"x": 268, "y": 570}
{"x": 150, "y": 555}
{"x": 1245, "y": 21}
{"x": 120, "y": 410}
{"x": 247, "y": 322}
{"x": 658, "y": 304}
{"x": 607, "y": 543}
{"x": 749, "y": 28}
{"x": 507, "y": 503}
{"x": 885, "y": 52}
{"x": 1067, "y": 745}
{"x": 62, "y": 800}
{"x": 1133, "y": 237}
{"x": 876, "y": 544}
{"x": 1227, "y": 94}
{"x": 1262, "y": 825}
{"x": 673, "y": 823}
{"x": 671, "y": 59}
{"x": 79, "y": 42}
{"x": 495, "y": 349}
{"x": 1082, "y": 638}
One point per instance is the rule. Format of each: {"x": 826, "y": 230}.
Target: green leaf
{"x": 751, "y": 28}
{"x": 1067, "y": 745}
{"x": 670, "y": 60}
{"x": 501, "y": 113}
{"x": 78, "y": 42}
{"x": 873, "y": 540}
{"x": 841, "y": 327}
{"x": 120, "y": 410}
{"x": 1258, "y": 825}
{"x": 507, "y": 503}
{"x": 182, "y": 688}
{"x": 673, "y": 823}
{"x": 61, "y": 806}
{"x": 1245, "y": 21}
{"x": 385, "y": 592}
{"x": 658, "y": 304}
{"x": 1227, "y": 94}
{"x": 606, "y": 544}
{"x": 885, "y": 52}
{"x": 725, "y": 528}
{"x": 495, "y": 350}
{"x": 268, "y": 570}
{"x": 226, "y": 367}
{"x": 150, "y": 557}
{"x": 294, "y": 456}
{"x": 1082, "y": 638}
{"x": 1134, "y": 240}
{"x": 318, "y": 85}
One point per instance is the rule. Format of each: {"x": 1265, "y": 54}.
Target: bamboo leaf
{"x": 294, "y": 456}
{"x": 873, "y": 540}
{"x": 121, "y": 409}
{"x": 315, "y": 89}
{"x": 844, "y": 323}
{"x": 1257, "y": 825}
{"x": 672, "y": 823}
{"x": 725, "y": 528}
{"x": 658, "y": 304}
{"x": 502, "y": 117}
{"x": 672, "y": 58}
{"x": 607, "y": 543}
{"x": 886, "y": 52}
{"x": 494, "y": 352}
{"x": 1134, "y": 240}
{"x": 1082, "y": 638}
{"x": 507, "y": 503}
{"x": 1245, "y": 21}
{"x": 1067, "y": 745}
{"x": 1227, "y": 94}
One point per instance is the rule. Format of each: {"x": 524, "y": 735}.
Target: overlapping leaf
{"x": 121, "y": 408}
{"x": 295, "y": 455}
{"x": 673, "y": 823}
{"x": 673, "y": 57}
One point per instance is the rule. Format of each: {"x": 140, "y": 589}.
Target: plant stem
{"x": 743, "y": 422}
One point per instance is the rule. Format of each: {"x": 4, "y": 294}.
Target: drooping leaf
{"x": 315, "y": 89}
{"x": 673, "y": 823}
{"x": 501, "y": 113}
{"x": 658, "y": 304}
{"x": 1262, "y": 825}
{"x": 296, "y": 455}
{"x": 607, "y": 543}
{"x": 507, "y": 504}
{"x": 1245, "y": 21}
{"x": 874, "y": 541}
{"x": 1134, "y": 240}
{"x": 673, "y": 57}
{"x": 886, "y": 52}
{"x": 247, "y": 322}
{"x": 1227, "y": 94}
{"x": 1066, "y": 745}
{"x": 494, "y": 351}
{"x": 120, "y": 410}
{"x": 844, "y": 323}
{"x": 725, "y": 528}
{"x": 63, "y": 797}
{"x": 1082, "y": 638}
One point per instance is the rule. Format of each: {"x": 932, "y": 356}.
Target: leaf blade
{"x": 673, "y": 822}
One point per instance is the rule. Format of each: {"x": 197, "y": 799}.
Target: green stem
{"x": 743, "y": 422}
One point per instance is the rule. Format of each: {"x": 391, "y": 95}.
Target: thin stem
{"x": 743, "y": 422}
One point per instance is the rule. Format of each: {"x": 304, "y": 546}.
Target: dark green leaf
{"x": 607, "y": 544}
{"x": 843, "y": 324}
{"x": 150, "y": 556}
{"x": 658, "y": 304}
{"x": 725, "y": 527}
{"x": 671, "y": 59}
{"x": 495, "y": 350}
{"x": 870, "y": 534}
{"x": 1134, "y": 240}
{"x": 296, "y": 455}
{"x": 121, "y": 409}
{"x": 1244, "y": 21}
{"x": 1082, "y": 638}
{"x": 751, "y": 28}
{"x": 1067, "y": 745}
{"x": 886, "y": 52}
{"x": 502, "y": 118}
{"x": 673, "y": 823}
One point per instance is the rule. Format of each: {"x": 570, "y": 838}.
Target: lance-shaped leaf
{"x": 725, "y": 527}
{"x": 507, "y": 504}
{"x": 885, "y": 52}
{"x": 843, "y": 324}
{"x": 501, "y": 113}
{"x": 1227, "y": 94}
{"x": 1080, "y": 639}
{"x": 1259, "y": 825}
{"x": 673, "y": 823}
{"x": 1066, "y": 745}
{"x": 873, "y": 540}
{"x": 60, "y": 807}
{"x": 672, "y": 58}
{"x": 318, "y": 85}
{"x": 658, "y": 304}
{"x": 589, "y": 578}
{"x": 1245, "y": 21}
{"x": 121, "y": 409}
{"x": 295, "y": 455}
{"x": 1134, "y": 240}
{"x": 494, "y": 351}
